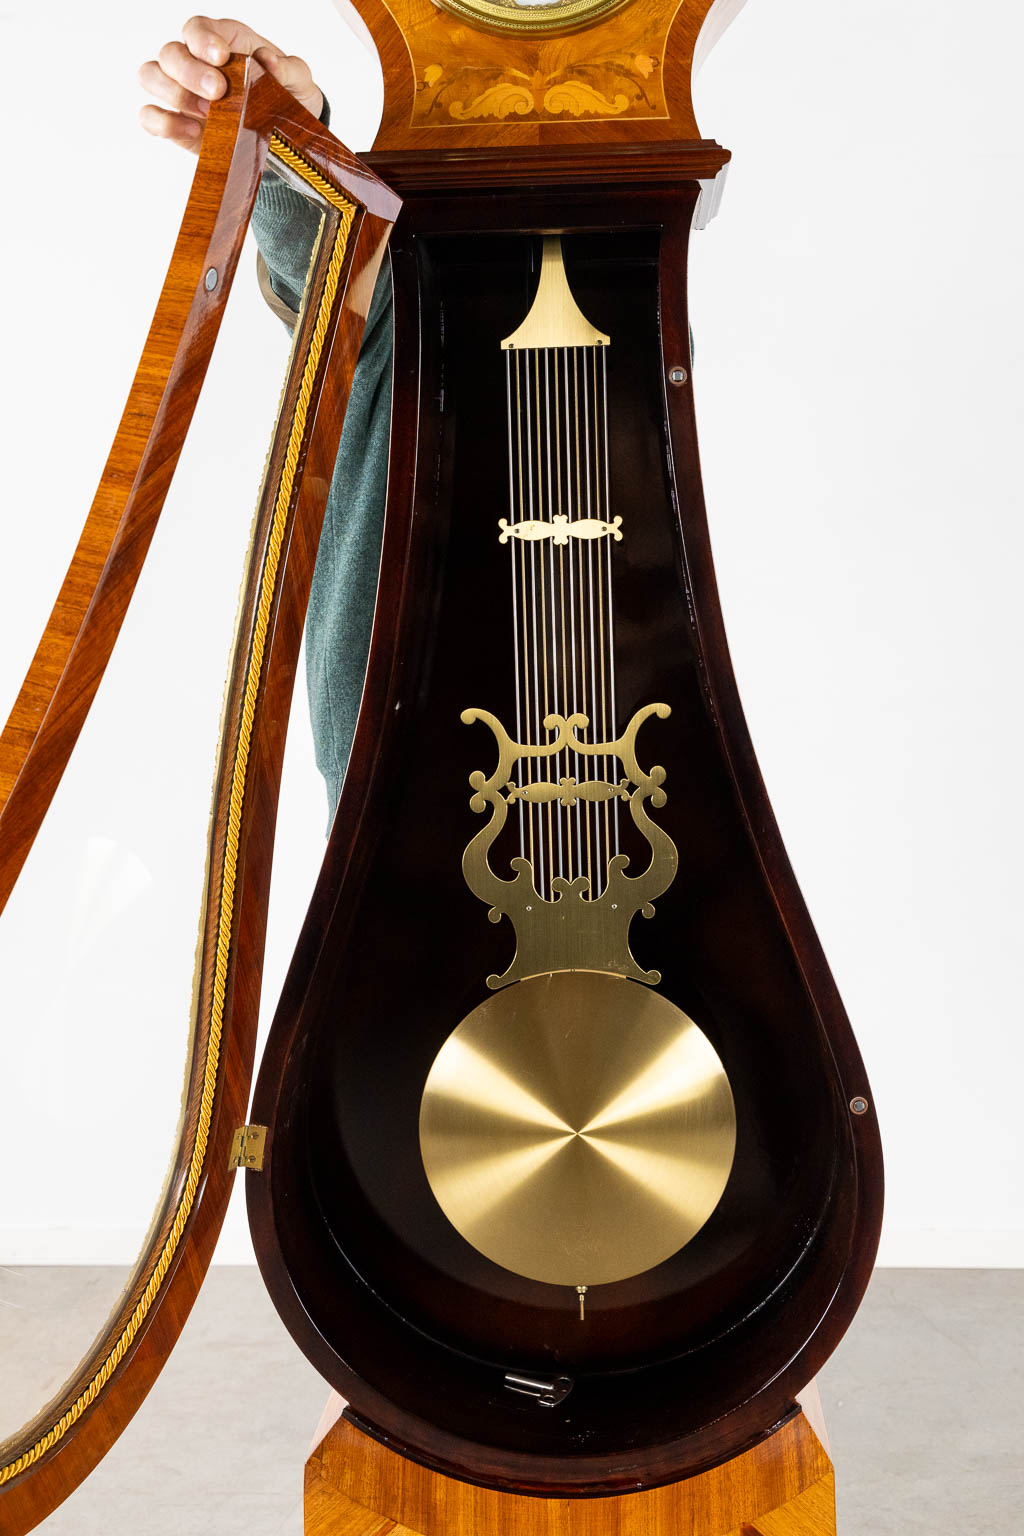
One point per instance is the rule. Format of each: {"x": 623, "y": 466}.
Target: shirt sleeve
{"x": 285, "y": 225}
{"x": 342, "y": 599}
{"x": 343, "y": 596}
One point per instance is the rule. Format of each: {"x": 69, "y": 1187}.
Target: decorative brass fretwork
{"x": 573, "y": 931}
{"x": 560, "y": 529}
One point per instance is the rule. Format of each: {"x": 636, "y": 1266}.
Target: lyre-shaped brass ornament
{"x": 577, "y": 929}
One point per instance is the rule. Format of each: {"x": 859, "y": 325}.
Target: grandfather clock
{"x": 562, "y": 1164}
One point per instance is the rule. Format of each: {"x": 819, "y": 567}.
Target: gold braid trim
{"x": 268, "y": 582}
{"x": 283, "y": 150}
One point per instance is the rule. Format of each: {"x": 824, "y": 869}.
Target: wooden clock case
{"x": 684, "y": 1366}
{"x": 693, "y": 1361}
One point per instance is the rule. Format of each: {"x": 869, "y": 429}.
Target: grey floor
{"x": 924, "y": 1401}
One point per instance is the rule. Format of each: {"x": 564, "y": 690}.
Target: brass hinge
{"x": 247, "y": 1146}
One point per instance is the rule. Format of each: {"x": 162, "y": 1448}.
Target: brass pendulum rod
{"x": 562, "y": 618}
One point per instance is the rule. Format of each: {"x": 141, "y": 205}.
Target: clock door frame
{"x": 51, "y": 1454}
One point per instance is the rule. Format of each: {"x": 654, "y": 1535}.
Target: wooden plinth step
{"x": 783, "y": 1487}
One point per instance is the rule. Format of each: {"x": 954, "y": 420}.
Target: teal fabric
{"x": 344, "y": 588}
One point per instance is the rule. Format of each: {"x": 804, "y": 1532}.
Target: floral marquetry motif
{"x": 622, "y": 84}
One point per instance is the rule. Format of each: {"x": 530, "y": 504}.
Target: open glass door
{"x": 112, "y": 852}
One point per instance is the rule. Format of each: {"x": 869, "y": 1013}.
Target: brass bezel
{"x": 532, "y": 21}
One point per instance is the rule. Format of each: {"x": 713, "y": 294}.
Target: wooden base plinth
{"x": 783, "y": 1487}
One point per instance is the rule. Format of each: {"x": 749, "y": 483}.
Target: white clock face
{"x": 531, "y": 15}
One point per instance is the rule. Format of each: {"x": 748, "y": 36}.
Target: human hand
{"x": 187, "y": 79}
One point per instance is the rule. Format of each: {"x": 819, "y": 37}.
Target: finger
{"x": 213, "y": 41}
{"x": 294, "y": 74}
{"x": 185, "y": 131}
{"x": 179, "y": 65}
{"x": 153, "y": 79}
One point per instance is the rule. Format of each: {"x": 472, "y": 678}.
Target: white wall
{"x": 859, "y": 332}
{"x": 859, "y": 340}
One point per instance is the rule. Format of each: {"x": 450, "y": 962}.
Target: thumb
{"x": 294, "y": 74}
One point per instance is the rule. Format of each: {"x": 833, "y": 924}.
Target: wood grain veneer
{"x": 623, "y": 79}
{"x": 356, "y": 1487}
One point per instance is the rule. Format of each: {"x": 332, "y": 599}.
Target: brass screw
{"x": 581, "y": 1291}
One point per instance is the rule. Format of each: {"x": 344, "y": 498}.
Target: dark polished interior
{"x": 415, "y": 1326}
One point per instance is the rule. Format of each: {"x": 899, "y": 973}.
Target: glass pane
{"x": 98, "y": 941}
